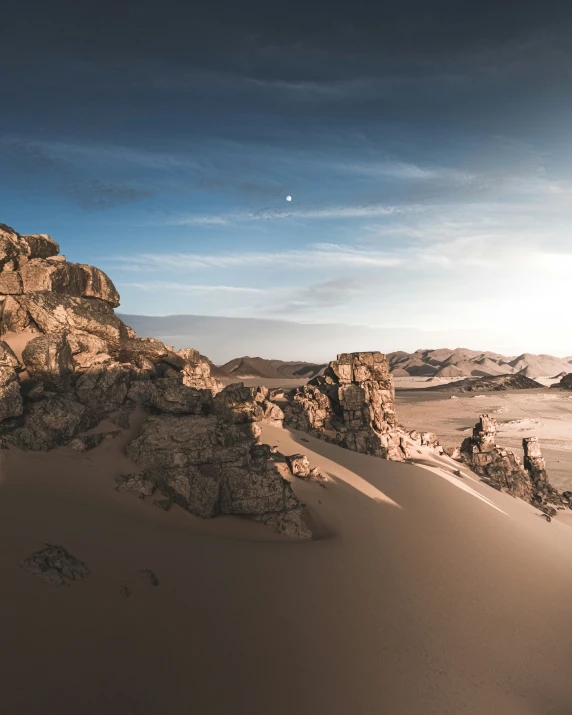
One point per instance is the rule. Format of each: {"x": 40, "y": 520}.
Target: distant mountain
{"x": 473, "y": 363}
{"x": 490, "y": 384}
{"x": 245, "y": 367}
{"x": 222, "y": 338}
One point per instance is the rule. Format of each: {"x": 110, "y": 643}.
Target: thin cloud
{"x": 191, "y": 288}
{"x": 322, "y": 254}
{"x": 330, "y": 212}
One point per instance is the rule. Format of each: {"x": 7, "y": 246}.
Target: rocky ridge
{"x": 80, "y": 364}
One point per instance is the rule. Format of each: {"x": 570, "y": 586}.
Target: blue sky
{"x": 427, "y": 153}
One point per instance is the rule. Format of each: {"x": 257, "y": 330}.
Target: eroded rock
{"x": 299, "y": 465}
{"x": 502, "y": 469}
{"x": 352, "y": 405}
{"x": 48, "y": 358}
{"x": 55, "y": 565}
{"x": 136, "y": 483}
{"x": 85, "y": 442}
{"x": 11, "y": 403}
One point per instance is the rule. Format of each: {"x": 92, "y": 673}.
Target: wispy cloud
{"x": 406, "y": 171}
{"x": 320, "y": 254}
{"x": 154, "y": 286}
{"x": 329, "y": 212}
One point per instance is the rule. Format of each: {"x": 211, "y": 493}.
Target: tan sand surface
{"x": 547, "y": 414}
{"x": 425, "y": 594}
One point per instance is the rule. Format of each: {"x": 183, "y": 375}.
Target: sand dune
{"x": 426, "y": 593}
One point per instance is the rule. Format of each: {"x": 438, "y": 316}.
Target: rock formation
{"x": 55, "y": 565}
{"x": 502, "y": 469}
{"x": 352, "y": 405}
{"x": 199, "y": 445}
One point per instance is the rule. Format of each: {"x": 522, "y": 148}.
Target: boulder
{"x": 209, "y": 466}
{"x": 55, "y": 565}
{"x": 48, "y": 358}
{"x": 99, "y": 285}
{"x": 103, "y": 389}
{"x": 85, "y": 442}
{"x": 10, "y": 247}
{"x": 197, "y": 371}
{"x": 53, "y": 313}
{"x": 237, "y": 403}
{"x": 11, "y": 404}
{"x": 39, "y": 245}
{"x": 39, "y": 274}
{"x": 8, "y": 357}
{"x": 171, "y": 395}
{"x": 10, "y": 283}
{"x": 74, "y": 279}
{"x": 133, "y": 350}
{"x": 15, "y": 318}
{"x": 299, "y": 465}
{"x": 173, "y": 442}
{"x": 88, "y": 350}
{"x": 50, "y": 422}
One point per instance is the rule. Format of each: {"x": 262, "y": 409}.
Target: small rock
{"x": 164, "y": 504}
{"x": 299, "y": 465}
{"x": 317, "y": 476}
{"x": 153, "y": 580}
{"x": 55, "y": 565}
{"x": 86, "y": 442}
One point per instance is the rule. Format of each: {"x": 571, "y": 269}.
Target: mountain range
{"x": 272, "y": 369}
{"x": 462, "y": 362}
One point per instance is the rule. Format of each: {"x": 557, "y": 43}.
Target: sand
{"x": 425, "y": 593}
{"x": 546, "y": 414}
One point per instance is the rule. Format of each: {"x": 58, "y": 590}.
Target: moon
{"x": 288, "y": 198}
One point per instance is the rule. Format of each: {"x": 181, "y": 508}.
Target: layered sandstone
{"x": 352, "y": 405}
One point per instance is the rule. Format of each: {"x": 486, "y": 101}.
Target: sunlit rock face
{"x": 353, "y": 405}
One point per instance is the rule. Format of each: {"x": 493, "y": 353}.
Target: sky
{"x": 427, "y": 148}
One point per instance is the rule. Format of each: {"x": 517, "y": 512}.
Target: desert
{"x": 165, "y": 534}
{"x": 286, "y": 358}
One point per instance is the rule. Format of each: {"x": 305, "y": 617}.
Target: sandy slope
{"x": 427, "y": 594}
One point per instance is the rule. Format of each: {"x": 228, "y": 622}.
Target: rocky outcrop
{"x": 502, "y": 469}
{"x": 566, "y": 382}
{"x": 171, "y": 395}
{"x": 352, "y": 405}
{"x": 199, "y": 445}
{"x": 213, "y": 463}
